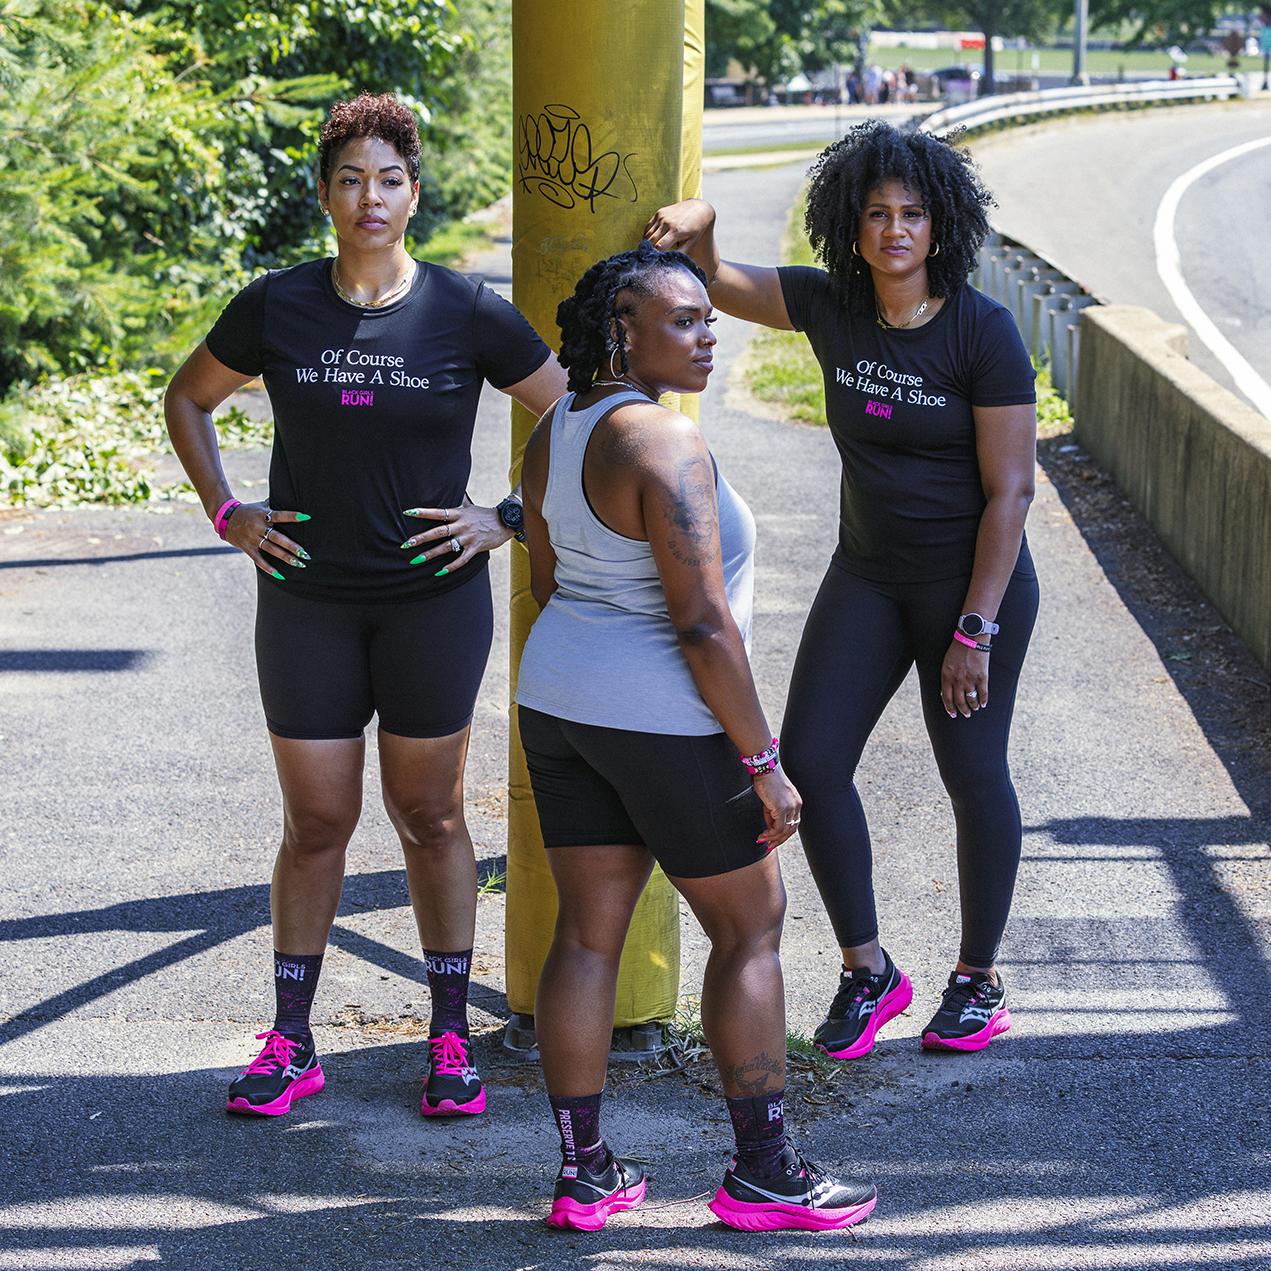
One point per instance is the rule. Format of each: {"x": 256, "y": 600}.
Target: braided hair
{"x": 584, "y": 318}
{"x": 932, "y": 169}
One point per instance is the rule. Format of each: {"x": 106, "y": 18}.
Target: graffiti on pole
{"x": 554, "y": 156}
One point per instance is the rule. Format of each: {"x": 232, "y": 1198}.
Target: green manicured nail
{"x": 412, "y": 512}
{"x": 408, "y": 543}
{"x": 417, "y": 559}
{"x": 303, "y": 516}
{"x": 300, "y": 551}
{"x": 298, "y": 564}
{"x": 439, "y": 573}
{"x": 281, "y": 578}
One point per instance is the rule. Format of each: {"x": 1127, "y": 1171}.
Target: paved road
{"x": 1084, "y": 191}
{"x": 763, "y": 127}
{"x": 1121, "y": 1123}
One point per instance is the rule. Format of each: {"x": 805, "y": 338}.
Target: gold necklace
{"x": 405, "y": 282}
{"x": 899, "y": 326}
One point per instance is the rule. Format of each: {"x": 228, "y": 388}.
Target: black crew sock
{"x": 295, "y": 982}
{"x": 760, "y": 1131}
{"x": 578, "y": 1120}
{"x": 448, "y": 984}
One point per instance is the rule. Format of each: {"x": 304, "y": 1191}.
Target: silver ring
{"x": 973, "y": 692}
{"x": 269, "y": 515}
{"x": 446, "y": 514}
{"x": 456, "y": 545}
{"x": 261, "y": 545}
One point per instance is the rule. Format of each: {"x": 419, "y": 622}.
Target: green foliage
{"x": 93, "y": 440}
{"x": 1053, "y": 415}
{"x": 1158, "y": 22}
{"x": 776, "y": 39}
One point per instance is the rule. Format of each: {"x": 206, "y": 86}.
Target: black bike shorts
{"x": 326, "y": 667}
{"x": 687, "y": 799}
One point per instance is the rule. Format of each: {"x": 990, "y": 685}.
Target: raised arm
{"x": 751, "y": 292}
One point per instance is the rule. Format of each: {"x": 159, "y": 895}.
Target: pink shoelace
{"x": 450, "y": 1054}
{"x": 277, "y": 1053}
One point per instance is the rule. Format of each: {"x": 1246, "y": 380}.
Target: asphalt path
{"x": 1084, "y": 191}
{"x": 1122, "y": 1121}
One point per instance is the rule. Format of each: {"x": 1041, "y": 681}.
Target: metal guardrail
{"x": 1003, "y": 106}
{"x": 1045, "y": 303}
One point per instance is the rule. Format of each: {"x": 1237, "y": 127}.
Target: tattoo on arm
{"x": 755, "y": 1077}
{"x": 694, "y": 529}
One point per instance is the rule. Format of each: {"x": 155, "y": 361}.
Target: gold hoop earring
{"x": 855, "y": 251}
{"x": 935, "y": 250}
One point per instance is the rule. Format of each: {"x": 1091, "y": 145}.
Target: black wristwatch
{"x": 971, "y": 624}
{"x": 512, "y": 514}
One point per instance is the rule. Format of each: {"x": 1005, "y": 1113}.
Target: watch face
{"x": 511, "y": 514}
{"x": 971, "y": 624}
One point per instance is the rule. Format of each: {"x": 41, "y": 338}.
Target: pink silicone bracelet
{"x": 220, "y": 522}
{"x": 970, "y": 644}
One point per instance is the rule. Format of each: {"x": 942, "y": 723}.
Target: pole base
{"x": 639, "y": 1042}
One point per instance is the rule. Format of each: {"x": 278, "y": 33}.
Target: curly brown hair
{"x": 368, "y": 116}
{"x": 932, "y": 168}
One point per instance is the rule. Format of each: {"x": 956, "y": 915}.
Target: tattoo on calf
{"x": 755, "y": 1077}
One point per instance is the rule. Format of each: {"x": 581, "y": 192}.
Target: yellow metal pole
{"x": 597, "y": 96}
{"x": 691, "y": 128}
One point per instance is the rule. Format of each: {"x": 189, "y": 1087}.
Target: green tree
{"x": 1033, "y": 19}
{"x": 735, "y": 31}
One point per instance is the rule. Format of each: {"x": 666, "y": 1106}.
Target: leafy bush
{"x": 93, "y": 440}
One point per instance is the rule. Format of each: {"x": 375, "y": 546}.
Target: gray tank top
{"x": 604, "y": 650}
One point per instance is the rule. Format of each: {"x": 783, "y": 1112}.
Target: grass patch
{"x": 456, "y": 240}
{"x": 772, "y": 148}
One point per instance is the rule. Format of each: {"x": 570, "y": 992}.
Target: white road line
{"x": 1169, "y": 266}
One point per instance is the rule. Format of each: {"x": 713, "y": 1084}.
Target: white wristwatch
{"x": 971, "y": 624}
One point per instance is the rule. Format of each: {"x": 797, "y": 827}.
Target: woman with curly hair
{"x": 930, "y": 399}
{"x": 374, "y": 363}
{"x": 645, "y": 739}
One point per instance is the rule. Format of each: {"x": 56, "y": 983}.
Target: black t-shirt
{"x": 373, "y": 414}
{"x": 898, "y": 403}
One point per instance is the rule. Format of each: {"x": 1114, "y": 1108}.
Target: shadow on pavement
{"x": 216, "y": 917}
{"x": 149, "y": 1169}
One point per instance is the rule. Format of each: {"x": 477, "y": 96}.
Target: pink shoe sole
{"x": 772, "y": 1216}
{"x": 310, "y": 1083}
{"x": 889, "y": 1006}
{"x": 569, "y": 1215}
{"x": 449, "y": 1108}
{"x": 1000, "y": 1022}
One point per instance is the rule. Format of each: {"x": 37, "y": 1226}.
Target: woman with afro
{"x": 374, "y": 363}
{"x": 930, "y": 399}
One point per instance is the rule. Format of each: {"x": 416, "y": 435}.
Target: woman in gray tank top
{"x": 645, "y": 738}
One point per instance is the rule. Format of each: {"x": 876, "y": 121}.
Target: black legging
{"x": 860, "y": 640}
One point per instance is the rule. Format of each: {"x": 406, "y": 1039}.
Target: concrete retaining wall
{"x": 1194, "y": 459}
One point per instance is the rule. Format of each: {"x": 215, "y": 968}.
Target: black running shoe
{"x": 284, "y": 1071}
{"x": 453, "y": 1088}
{"x": 971, "y": 1014}
{"x": 584, "y": 1201}
{"x": 801, "y": 1196}
{"x": 863, "y": 1004}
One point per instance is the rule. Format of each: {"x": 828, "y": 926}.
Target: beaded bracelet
{"x": 765, "y": 761}
{"x": 971, "y": 644}
{"x": 220, "y": 522}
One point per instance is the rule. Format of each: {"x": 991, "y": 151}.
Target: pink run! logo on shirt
{"x": 878, "y": 408}
{"x": 356, "y": 397}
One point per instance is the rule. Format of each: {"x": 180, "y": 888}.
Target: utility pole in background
{"x": 1080, "y": 22}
